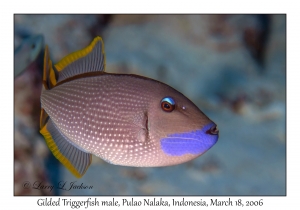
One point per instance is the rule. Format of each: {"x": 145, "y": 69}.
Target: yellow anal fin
{"x": 74, "y": 159}
{"x": 87, "y": 60}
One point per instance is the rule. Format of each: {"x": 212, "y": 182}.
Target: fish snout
{"x": 213, "y": 130}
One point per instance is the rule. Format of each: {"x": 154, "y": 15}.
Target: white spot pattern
{"x": 99, "y": 116}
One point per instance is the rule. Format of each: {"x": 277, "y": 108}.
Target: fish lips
{"x": 193, "y": 142}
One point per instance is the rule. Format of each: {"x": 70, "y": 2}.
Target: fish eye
{"x": 32, "y": 46}
{"x": 167, "y": 104}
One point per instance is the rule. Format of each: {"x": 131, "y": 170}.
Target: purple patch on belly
{"x": 193, "y": 142}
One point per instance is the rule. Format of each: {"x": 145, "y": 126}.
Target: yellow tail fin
{"x": 49, "y": 75}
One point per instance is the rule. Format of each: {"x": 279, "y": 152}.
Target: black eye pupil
{"x": 167, "y": 106}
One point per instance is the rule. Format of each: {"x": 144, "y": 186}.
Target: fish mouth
{"x": 213, "y": 130}
{"x": 193, "y": 142}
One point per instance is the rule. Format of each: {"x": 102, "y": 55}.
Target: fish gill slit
{"x": 146, "y": 126}
{"x": 146, "y": 121}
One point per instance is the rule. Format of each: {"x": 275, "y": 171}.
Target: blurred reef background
{"x": 233, "y": 67}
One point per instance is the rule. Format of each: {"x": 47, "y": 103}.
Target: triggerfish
{"x": 124, "y": 119}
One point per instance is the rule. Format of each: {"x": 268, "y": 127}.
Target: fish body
{"x": 122, "y": 118}
{"x": 27, "y": 52}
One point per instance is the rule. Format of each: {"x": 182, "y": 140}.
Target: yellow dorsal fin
{"x": 87, "y": 60}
